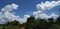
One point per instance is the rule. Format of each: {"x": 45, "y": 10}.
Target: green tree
{"x": 15, "y": 23}
{"x": 30, "y": 21}
{"x": 58, "y": 20}
{"x": 42, "y": 24}
{"x": 51, "y": 22}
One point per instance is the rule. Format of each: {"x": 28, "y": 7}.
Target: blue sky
{"x": 25, "y": 6}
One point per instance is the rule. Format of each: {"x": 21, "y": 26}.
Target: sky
{"x": 26, "y": 8}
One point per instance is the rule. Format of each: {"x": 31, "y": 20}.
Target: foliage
{"x": 34, "y": 23}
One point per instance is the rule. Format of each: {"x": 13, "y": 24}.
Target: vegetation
{"x": 33, "y": 23}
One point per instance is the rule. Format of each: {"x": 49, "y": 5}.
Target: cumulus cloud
{"x": 54, "y": 15}
{"x": 42, "y": 7}
{"x": 2, "y": 21}
{"x": 7, "y": 16}
{"x": 39, "y": 14}
{"x": 10, "y": 7}
{"x": 47, "y": 5}
{"x": 24, "y": 19}
{"x": 10, "y": 16}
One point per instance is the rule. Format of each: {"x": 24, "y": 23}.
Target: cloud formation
{"x": 47, "y": 5}
{"x": 39, "y": 14}
{"x": 7, "y": 16}
{"x": 10, "y": 7}
{"x": 24, "y": 19}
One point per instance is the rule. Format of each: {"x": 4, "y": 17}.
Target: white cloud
{"x": 42, "y": 15}
{"x": 24, "y": 19}
{"x": 2, "y": 21}
{"x": 10, "y": 16}
{"x": 54, "y": 15}
{"x": 10, "y": 7}
{"x": 47, "y": 5}
{"x": 7, "y": 16}
{"x": 26, "y": 16}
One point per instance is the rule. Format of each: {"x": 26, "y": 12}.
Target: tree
{"x": 30, "y": 21}
{"x": 51, "y": 22}
{"x": 58, "y": 20}
{"x": 15, "y": 23}
{"x": 42, "y": 24}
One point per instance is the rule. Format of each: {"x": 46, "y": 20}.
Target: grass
{"x": 1, "y": 27}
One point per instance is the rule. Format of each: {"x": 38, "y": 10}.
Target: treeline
{"x": 33, "y": 23}
{"x": 43, "y": 23}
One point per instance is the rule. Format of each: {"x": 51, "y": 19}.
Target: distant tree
{"x": 51, "y": 22}
{"x": 30, "y": 21}
{"x": 9, "y": 23}
{"x": 58, "y": 20}
{"x": 15, "y": 22}
{"x": 42, "y": 24}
